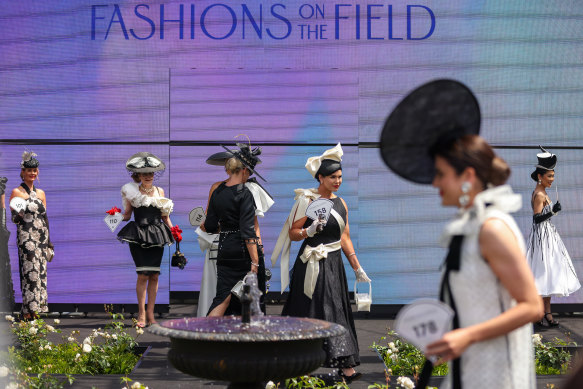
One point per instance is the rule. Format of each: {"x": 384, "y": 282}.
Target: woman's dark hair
{"x": 473, "y": 151}
{"x": 540, "y": 171}
{"x": 327, "y": 167}
{"x": 136, "y": 177}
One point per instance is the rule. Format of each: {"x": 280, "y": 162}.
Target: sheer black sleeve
{"x": 247, "y": 215}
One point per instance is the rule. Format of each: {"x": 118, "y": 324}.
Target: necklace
{"x": 147, "y": 191}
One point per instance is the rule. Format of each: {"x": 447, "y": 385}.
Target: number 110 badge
{"x": 113, "y": 221}
{"x": 423, "y": 322}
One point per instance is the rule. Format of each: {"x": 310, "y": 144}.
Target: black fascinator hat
{"x": 439, "y": 111}
{"x": 29, "y": 161}
{"x": 249, "y": 158}
{"x": 546, "y": 161}
{"x": 144, "y": 162}
{"x": 220, "y": 158}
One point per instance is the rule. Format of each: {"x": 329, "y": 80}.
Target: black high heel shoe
{"x": 349, "y": 378}
{"x": 552, "y": 322}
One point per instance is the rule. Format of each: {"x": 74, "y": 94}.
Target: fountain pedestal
{"x": 247, "y": 354}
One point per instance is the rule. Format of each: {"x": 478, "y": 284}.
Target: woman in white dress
{"x": 554, "y": 274}
{"x": 431, "y": 137}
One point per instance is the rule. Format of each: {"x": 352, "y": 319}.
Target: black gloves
{"x": 541, "y": 217}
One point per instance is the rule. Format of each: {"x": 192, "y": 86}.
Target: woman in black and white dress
{"x": 150, "y": 230}
{"x": 547, "y": 255}
{"x": 318, "y": 287}
{"x": 34, "y": 245}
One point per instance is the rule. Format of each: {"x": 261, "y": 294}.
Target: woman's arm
{"x": 127, "y": 210}
{"x": 500, "y": 248}
{"x": 539, "y": 202}
{"x": 297, "y": 232}
{"x": 165, "y": 218}
{"x": 213, "y": 187}
{"x": 346, "y": 243}
{"x": 41, "y": 195}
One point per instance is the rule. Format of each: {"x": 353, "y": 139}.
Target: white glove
{"x": 361, "y": 275}
{"x": 313, "y": 228}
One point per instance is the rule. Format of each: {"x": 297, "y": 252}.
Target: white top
{"x": 130, "y": 193}
{"x": 508, "y": 360}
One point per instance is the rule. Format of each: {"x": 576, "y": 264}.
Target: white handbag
{"x": 363, "y": 300}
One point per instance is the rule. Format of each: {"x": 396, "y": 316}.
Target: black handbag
{"x": 178, "y": 259}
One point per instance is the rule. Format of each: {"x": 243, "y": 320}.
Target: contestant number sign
{"x": 319, "y": 209}
{"x": 196, "y": 216}
{"x": 18, "y": 204}
{"x": 423, "y": 322}
{"x": 113, "y": 221}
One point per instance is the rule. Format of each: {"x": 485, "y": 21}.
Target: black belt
{"x": 146, "y": 221}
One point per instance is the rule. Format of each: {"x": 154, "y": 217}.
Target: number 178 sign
{"x": 424, "y": 321}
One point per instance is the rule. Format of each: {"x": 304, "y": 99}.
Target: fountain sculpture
{"x": 249, "y": 350}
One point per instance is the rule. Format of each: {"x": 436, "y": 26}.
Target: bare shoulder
{"x": 496, "y": 237}
{"x": 17, "y": 192}
{"x": 41, "y": 194}
{"x": 540, "y": 197}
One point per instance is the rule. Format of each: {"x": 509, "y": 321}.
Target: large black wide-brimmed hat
{"x": 220, "y": 158}
{"x": 249, "y": 158}
{"x": 546, "y": 161}
{"x": 434, "y": 112}
{"x": 144, "y": 162}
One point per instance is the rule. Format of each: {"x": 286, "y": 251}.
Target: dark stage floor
{"x": 156, "y": 372}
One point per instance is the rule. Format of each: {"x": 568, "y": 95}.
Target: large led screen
{"x": 86, "y": 84}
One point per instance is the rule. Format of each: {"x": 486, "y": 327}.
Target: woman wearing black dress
{"x": 149, "y": 232}
{"x": 318, "y": 287}
{"x": 231, "y": 212}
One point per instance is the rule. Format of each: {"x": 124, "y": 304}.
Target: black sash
{"x": 452, "y": 262}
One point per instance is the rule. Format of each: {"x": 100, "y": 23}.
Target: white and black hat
{"x": 249, "y": 158}
{"x": 29, "y": 161}
{"x": 546, "y": 161}
{"x": 144, "y": 162}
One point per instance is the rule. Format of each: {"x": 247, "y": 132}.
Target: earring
{"x": 539, "y": 182}
{"x": 465, "y": 198}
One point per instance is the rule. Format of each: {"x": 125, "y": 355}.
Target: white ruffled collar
{"x": 131, "y": 192}
{"x": 469, "y": 220}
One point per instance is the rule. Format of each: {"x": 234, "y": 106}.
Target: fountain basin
{"x": 269, "y": 348}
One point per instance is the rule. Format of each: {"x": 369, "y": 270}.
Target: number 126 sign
{"x": 423, "y": 322}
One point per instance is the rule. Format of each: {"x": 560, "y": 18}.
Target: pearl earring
{"x": 539, "y": 182}
{"x": 465, "y": 198}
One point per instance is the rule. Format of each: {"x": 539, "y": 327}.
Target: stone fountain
{"x": 247, "y": 351}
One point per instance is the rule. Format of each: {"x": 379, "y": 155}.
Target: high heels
{"x": 349, "y": 378}
{"x": 552, "y": 322}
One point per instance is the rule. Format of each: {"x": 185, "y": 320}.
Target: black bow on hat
{"x": 249, "y": 158}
